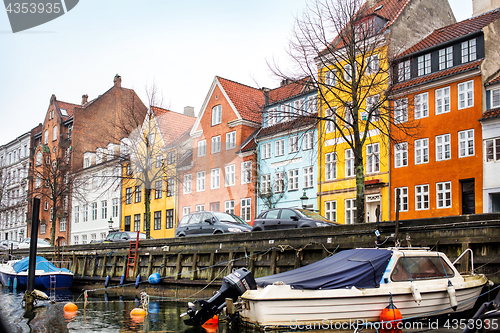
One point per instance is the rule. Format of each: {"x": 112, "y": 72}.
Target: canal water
{"x": 111, "y": 313}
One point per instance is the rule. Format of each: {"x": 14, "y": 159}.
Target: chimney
{"x": 266, "y": 94}
{"x": 85, "y": 98}
{"x": 52, "y": 99}
{"x": 189, "y": 111}
{"x": 118, "y": 81}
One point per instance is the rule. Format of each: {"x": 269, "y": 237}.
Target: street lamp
{"x": 304, "y": 199}
{"x": 110, "y": 223}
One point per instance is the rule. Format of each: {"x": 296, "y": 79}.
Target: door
{"x": 270, "y": 222}
{"x": 468, "y": 197}
{"x": 207, "y": 227}
{"x": 286, "y": 221}
{"x": 495, "y": 202}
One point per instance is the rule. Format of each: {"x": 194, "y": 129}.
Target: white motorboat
{"x": 357, "y": 285}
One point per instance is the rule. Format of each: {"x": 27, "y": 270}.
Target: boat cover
{"x": 41, "y": 264}
{"x": 360, "y": 268}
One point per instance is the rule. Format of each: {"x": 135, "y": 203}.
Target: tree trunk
{"x": 147, "y": 209}
{"x": 360, "y": 184}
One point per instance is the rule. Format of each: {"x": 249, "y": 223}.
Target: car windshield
{"x": 313, "y": 215}
{"x": 224, "y": 217}
{"x": 133, "y": 235}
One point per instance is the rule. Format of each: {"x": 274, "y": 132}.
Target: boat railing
{"x": 58, "y": 264}
{"x": 471, "y": 258}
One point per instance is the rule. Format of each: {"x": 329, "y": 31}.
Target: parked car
{"x": 8, "y": 244}
{"x": 207, "y": 223}
{"x": 25, "y": 243}
{"x": 289, "y": 218}
{"x": 123, "y": 236}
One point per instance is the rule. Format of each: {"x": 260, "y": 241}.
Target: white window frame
{"x": 421, "y": 109}
{"x": 216, "y": 115}
{"x": 265, "y": 185}
{"x": 468, "y": 51}
{"x": 466, "y": 94}
{"x": 492, "y": 150}
{"x": 466, "y": 143}
{"x": 404, "y": 71}
{"x": 495, "y": 98}
{"x": 331, "y": 210}
{"x": 229, "y": 206}
{"x": 215, "y": 145}
{"x": 401, "y": 155}
{"x": 373, "y": 158}
{"x": 442, "y": 97}
{"x": 403, "y": 198}
{"x": 308, "y": 176}
{"x": 279, "y": 147}
{"x": 443, "y": 194}
{"x": 246, "y": 172}
{"x": 330, "y": 166}
{"x": 293, "y": 144}
{"x": 215, "y": 178}
{"x": 332, "y": 114}
{"x": 401, "y": 110}
{"x": 200, "y": 208}
{"x": 446, "y": 58}
{"x": 246, "y": 209}
{"x": 331, "y": 78}
{"x": 186, "y": 184}
{"x": 349, "y": 163}
{"x": 372, "y": 64}
{"x": 272, "y": 116}
{"x": 54, "y": 133}
{"x": 422, "y": 197}
{"x": 202, "y": 148}
{"x": 307, "y": 141}
{"x": 293, "y": 180}
{"x": 230, "y": 175}
{"x": 186, "y": 210}
{"x": 350, "y": 211}
{"x": 266, "y": 150}
{"x": 231, "y": 140}
{"x": 200, "y": 181}
{"x": 424, "y": 64}
{"x": 421, "y": 151}
{"x": 372, "y": 107}
{"x": 279, "y": 182}
{"x": 348, "y": 71}
{"x": 443, "y": 147}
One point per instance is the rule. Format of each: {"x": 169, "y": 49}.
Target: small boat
{"x": 61, "y": 277}
{"x": 357, "y": 285}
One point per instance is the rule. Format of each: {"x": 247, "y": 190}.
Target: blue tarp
{"x": 360, "y": 268}
{"x": 41, "y": 264}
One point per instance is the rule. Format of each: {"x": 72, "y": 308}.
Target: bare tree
{"x": 340, "y": 47}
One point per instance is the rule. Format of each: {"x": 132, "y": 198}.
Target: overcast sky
{"x": 179, "y": 45}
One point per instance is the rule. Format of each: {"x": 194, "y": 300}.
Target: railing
{"x": 471, "y": 259}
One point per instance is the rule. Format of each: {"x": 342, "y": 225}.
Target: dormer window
{"x": 404, "y": 71}
{"x": 216, "y": 115}
{"x": 86, "y": 162}
{"x": 495, "y": 98}
{"x": 364, "y": 29}
{"x": 446, "y": 58}
{"x": 424, "y": 64}
{"x": 469, "y": 51}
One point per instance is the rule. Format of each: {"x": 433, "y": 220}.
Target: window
{"x": 229, "y": 207}
{"x": 468, "y": 50}
{"x": 75, "y": 240}
{"x": 401, "y": 154}
{"x": 372, "y": 64}
{"x": 421, "y": 268}
{"x": 372, "y": 107}
{"x": 350, "y": 211}
{"x": 186, "y": 185}
{"x": 84, "y": 239}
{"x": 331, "y": 166}
{"x": 331, "y": 210}
{"x": 216, "y": 115}
{"x": 279, "y": 182}
{"x": 200, "y": 181}
{"x": 215, "y": 178}
{"x": 170, "y": 187}
{"x": 85, "y": 213}
{"x": 215, "y": 144}
{"x": 466, "y": 143}
{"x": 46, "y": 137}
{"x": 200, "y": 208}
{"x": 421, "y": 106}
{"x": 466, "y": 94}
{"x": 104, "y": 210}
{"x": 272, "y": 116}
{"x": 94, "y": 211}
{"x": 246, "y": 172}
{"x": 495, "y": 98}
{"x": 308, "y": 177}
{"x": 169, "y": 219}
{"x": 446, "y": 58}
{"x": 54, "y": 133}
{"x": 402, "y": 194}
{"x": 424, "y": 64}
{"x": 77, "y": 214}
{"x": 202, "y": 148}
{"x": 116, "y": 203}
{"x": 330, "y": 124}
{"x": 372, "y": 158}
{"x": 170, "y": 157}
{"x": 279, "y": 147}
{"x": 137, "y": 222}
{"x": 266, "y": 150}
{"x": 349, "y": 119}
{"x": 293, "y": 179}
{"x": 443, "y": 195}
{"x": 230, "y": 175}
{"x": 265, "y": 183}
{"x": 349, "y": 163}
{"x": 43, "y": 228}
{"x": 422, "y": 197}
{"x": 492, "y": 148}
{"x": 293, "y": 144}
{"x": 158, "y": 189}
{"x": 127, "y": 223}
{"x": 404, "y": 71}
{"x": 62, "y": 224}
{"x": 39, "y": 158}
{"x": 422, "y": 151}
{"x": 443, "y": 100}
{"x": 159, "y": 161}
{"x": 246, "y": 209}
{"x": 331, "y": 78}
{"x": 215, "y": 206}
{"x": 348, "y": 72}
{"x": 230, "y": 140}
{"x": 400, "y": 110}
{"x": 307, "y": 141}
{"x": 157, "y": 220}
{"x": 128, "y": 196}
{"x": 186, "y": 210}
{"x": 95, "y": 182}
{"x": 138, "y": 193}
{"x": 443, "y": 147}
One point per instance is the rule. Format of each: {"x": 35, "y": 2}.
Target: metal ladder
{"x": 132, "y": 256}
{"x": 52, "y": 288}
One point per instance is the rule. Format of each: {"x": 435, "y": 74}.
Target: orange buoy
{"x": 390, "y": 316}
{"x": 138, "y": 312}
{"x": 70, "y": 307}
{"x": 211, "y": 325}
{"x": 69, "y": 315}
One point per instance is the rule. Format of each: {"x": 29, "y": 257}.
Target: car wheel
{"x": 217, "y": 232}
{"x": 257, "y": 229}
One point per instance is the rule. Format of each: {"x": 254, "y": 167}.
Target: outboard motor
{"x": 233, "y": 285}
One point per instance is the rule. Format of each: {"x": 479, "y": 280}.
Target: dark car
{"x": 207, "y": 223}
{"x": 123, "y": 236}
{"x": 289, "y": 218}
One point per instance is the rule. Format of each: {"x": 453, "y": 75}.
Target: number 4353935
{"x": 25, "y": 7}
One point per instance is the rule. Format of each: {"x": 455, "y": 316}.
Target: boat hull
{"x": 282, "y": 306}
{"x": 42, "y": 280}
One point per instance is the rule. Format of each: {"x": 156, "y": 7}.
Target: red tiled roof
{"x": 247, "y": 100}
{"x": 493, "y": 81}
{"x": 312, "y": 120}
{"x": 69, "y": 107}
{"x": 493, "y": 113}
{"x": 288, "y": 91}
{"x": 454, "y": 31}
{"x": 251, "y": 145}
{"x": 172, "y": 125}
{"x": 437, "y": 75}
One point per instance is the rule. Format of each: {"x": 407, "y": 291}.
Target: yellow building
{"x": 151, "y": 170}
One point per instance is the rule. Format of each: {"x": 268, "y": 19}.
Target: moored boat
{"x": 357, "y": 285}
{"x": 61, "y": 277}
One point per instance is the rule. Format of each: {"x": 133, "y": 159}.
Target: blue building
{"x": 287, "y": 156}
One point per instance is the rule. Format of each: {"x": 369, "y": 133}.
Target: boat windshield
{"x": 421, "y": 268}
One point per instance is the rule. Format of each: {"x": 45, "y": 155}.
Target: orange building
{"x": 437, "y": 171}
{"x": 219, "y": 176}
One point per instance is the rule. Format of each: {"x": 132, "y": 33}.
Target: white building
{"x": 14, "y": 165}
{"x": 96, "y": 196}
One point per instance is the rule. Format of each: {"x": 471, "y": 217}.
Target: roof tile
{"x": 247, "y": 100}
{"x": 493, "y": 113}
{"x": 172, "y": 124}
